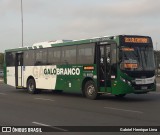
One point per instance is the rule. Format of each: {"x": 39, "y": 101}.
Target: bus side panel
{"x": 70, "y": 79}
{"x": 43, "y": 75}
{"x": 66, "y": 77}
{"x": 10, "y": 76}
{"x": 69, "y": 84}
{"x": 73, "y": 76}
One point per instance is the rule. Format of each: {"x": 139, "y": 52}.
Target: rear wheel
{"x": 31, "y": 87}
{"x": 90, "y": 90}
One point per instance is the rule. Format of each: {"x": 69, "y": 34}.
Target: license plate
{"x": 144, "y": 87}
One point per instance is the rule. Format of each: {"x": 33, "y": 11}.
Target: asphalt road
{"x": 18, "y": 108}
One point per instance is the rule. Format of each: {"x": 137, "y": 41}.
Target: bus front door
{"x": 19, "y": 70}
{"x": 104, "y": 66}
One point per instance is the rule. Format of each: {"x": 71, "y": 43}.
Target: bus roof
{"x": 109, "y": 39}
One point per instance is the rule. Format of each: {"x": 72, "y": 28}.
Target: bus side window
{"x": 20, "y": 60}
{"x": 54, "y": 56}
{"x": 85, "y": 54}
{"x": 41, "y": 57}
{"x": 68, "y": 55}
{"x": 10, "y": 58}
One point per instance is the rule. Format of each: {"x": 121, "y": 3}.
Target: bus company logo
{"x": 62, "y": 71}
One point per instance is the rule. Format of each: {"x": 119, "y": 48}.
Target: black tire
{"x": 90, "y": 90}
{"x": 31, "y": 87}
{"x": 120, "y": 95}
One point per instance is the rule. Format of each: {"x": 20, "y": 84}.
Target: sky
{"x": 49, "y": 20}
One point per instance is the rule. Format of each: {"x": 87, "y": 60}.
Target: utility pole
{"x": 22, "y": 19}
{"x": 157, "y": 59}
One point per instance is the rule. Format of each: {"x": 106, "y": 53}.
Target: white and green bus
{"x": 117, "y": 65}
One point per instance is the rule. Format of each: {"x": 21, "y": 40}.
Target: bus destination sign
{"x": 136, "y": 40}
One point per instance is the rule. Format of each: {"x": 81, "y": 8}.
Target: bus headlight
{"x": 122, "y": 79}
{"x": 129, "y": 83}
{"x": 126, "y": 81}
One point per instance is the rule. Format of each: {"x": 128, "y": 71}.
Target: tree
{"x": 1, "y": 59}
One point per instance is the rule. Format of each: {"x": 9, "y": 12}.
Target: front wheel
{"x": 31, "y": 86}
{"x": 90, "y": 90}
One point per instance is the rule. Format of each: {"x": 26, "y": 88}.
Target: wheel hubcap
{"x": 31, "y": 87}
{"x": 91, "y": 90}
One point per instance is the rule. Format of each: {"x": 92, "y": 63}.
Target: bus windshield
{"x": 137, "y": 59}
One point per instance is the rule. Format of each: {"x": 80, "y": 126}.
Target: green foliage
{"x": 1, "y": 59}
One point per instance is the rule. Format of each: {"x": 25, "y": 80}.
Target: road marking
{"x": 3, "y": 94}
{"x": 44, "y": 99}
{"x": 118, "y": 109}
{"x": 41, "y": 124}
